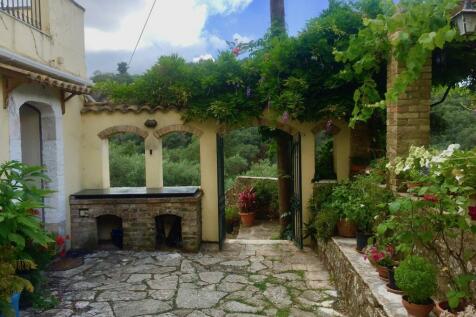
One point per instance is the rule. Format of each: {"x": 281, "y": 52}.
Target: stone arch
{"x": 47, "y": 102}
{"x": 341, "y": 134}
{"x": 177, "y": 128}
{"x": 111, "y": 131}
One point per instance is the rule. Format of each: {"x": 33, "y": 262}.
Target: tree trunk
{"x": 278, "y": 21}
{"x": 278, "y": 28}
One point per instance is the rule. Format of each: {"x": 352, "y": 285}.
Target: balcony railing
{"x": 28, "y": 11}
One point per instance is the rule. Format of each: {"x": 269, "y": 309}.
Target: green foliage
{"x": 232, "y": 214}
{"x": 126, "y": 161}
{"x": 266, "y": 195}
{"x": 324, "y": 157}
{"x": 19, "y": 197}
{"x": 181, "y": 159}
{"x": 287, "y": 74}
{"x": 323, "y": 225}
{"x": 416, "y": 277}
{"x": 438, "y": 221}
{"x": 263, "y": 168}
{"x": 20, "y": 229}
{"x": 408, "y": 31}
{"x": 454, "y": 121}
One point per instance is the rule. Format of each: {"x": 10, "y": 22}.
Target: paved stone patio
{"x": 261, "y": 230}
{"x": 249, "y": 278}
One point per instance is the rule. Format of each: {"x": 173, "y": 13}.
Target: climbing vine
{"x": 334, "y": 68}
{"x": 409, "y": 32}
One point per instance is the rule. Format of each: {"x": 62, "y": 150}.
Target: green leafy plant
{"x": 416, "y": 277}
{"x": 435, "y": 218}
{"x": 323, "y": 225}
{"x": 408, "y": 31}
{"x": 20, "y": 228}
{"x": 232, "y": 215}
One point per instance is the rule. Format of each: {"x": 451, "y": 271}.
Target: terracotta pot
{"x": 382, "y": 272}
{"x": 358, "y": 168}
{"x": 440, "y": 307}
{"x": 247, "y": 218}
{"x": 346, "y": 228}
{"x": 416, "y": 310}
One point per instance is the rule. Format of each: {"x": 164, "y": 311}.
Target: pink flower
{"x": 60, "y": 240}
{"x": 285, "y": 117}
{"x": 236, "y": 51}
{"x": 430, "y": 198}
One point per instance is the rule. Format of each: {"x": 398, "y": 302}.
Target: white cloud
{"x": 225, "y": 7}
{"x": 241, "y": 38}
{"x": 203, "y": 57}
{"x": 177, "y": 23}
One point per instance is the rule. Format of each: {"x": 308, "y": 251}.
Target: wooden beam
{"x": 9, "y": 84}
{"x": 65, "y": 99}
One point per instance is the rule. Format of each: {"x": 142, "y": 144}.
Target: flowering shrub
{"x": 438, "y": 222}
{"x": 381, "y": 257}
{"x": 247, "y": 200}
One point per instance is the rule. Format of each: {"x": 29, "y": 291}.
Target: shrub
{"x": 20, "y": 228}
{"x": 232, "y": 215}
{"x": 324, "y": 224}
{"x": 267, "y": 194}
{"x": 416, "y": 277}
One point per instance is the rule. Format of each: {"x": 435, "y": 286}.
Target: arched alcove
{"x": 109, "y": 232}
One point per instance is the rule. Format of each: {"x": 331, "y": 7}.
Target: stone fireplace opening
{"x": 109, "y": 232}
{"x": 168, "y": 231}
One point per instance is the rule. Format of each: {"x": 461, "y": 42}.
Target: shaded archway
{"x": 109, "y": 232}
{"x": 36, "y": 137}
{"x": 168, "y": 231}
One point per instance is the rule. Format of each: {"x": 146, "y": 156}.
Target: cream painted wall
{"x": 61, "y": 42}
{"x": 342, "y": 149}
{"x": 72, "y": 147}
{"x": 95, "y": 170}
{"x": 4, "y": 127}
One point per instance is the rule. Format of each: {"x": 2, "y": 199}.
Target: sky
{"x": 194, "y": 29}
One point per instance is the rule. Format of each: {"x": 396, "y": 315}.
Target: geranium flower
{"x": 430, "y": 198}
{"x": 60, "y": 240}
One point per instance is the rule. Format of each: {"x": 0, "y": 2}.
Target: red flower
{"x": 236, "y": 51}
{"x": 472, "y": 212}
{"x": 60, "y": 240}
{"x": 430, "y": 198}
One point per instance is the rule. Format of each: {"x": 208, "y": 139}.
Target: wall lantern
{"x": 465, "y": 19}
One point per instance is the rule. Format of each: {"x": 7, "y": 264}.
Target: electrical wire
{"x": 142, "y": 32}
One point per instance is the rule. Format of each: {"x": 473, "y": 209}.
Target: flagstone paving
{"x": 249, "y": 278}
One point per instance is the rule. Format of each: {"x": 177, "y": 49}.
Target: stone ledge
{"x": 363, "y": 292}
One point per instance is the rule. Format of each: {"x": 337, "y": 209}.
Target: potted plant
{"x": 232, "y": 218}
{"x": 340, "y": 201}
{"x": 382, "y": 259}
{"x": 358, "y": 165}
{"x": 458, "y": 297}
{"x": 247, "y": 205}
{"x": 416, "y": 277}
{"x": 11, "y": 285}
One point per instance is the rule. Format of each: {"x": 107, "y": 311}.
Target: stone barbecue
{"x": 136, "y": 213}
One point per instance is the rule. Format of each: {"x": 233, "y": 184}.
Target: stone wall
{"x": 363, "y": 292}
{"x": 138, "y": 220}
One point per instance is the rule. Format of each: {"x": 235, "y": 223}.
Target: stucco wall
{"x": 95, "y": 169}
{"x": 59, "y": 44}
{"x": 4, "y": 144}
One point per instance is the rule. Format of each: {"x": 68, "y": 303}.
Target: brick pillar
{"x": 408, "y": 119}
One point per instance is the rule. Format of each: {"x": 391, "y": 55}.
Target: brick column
{"x": 408, "y": 119}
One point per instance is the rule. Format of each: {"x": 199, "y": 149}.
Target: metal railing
{"x": 28, "y": 11}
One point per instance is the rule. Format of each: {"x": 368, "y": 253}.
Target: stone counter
{"x": 138, "y": 217}
{"x": 363, "y": 292}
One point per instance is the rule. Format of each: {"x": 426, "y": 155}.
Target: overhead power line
{"x": 142, "y": 33}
